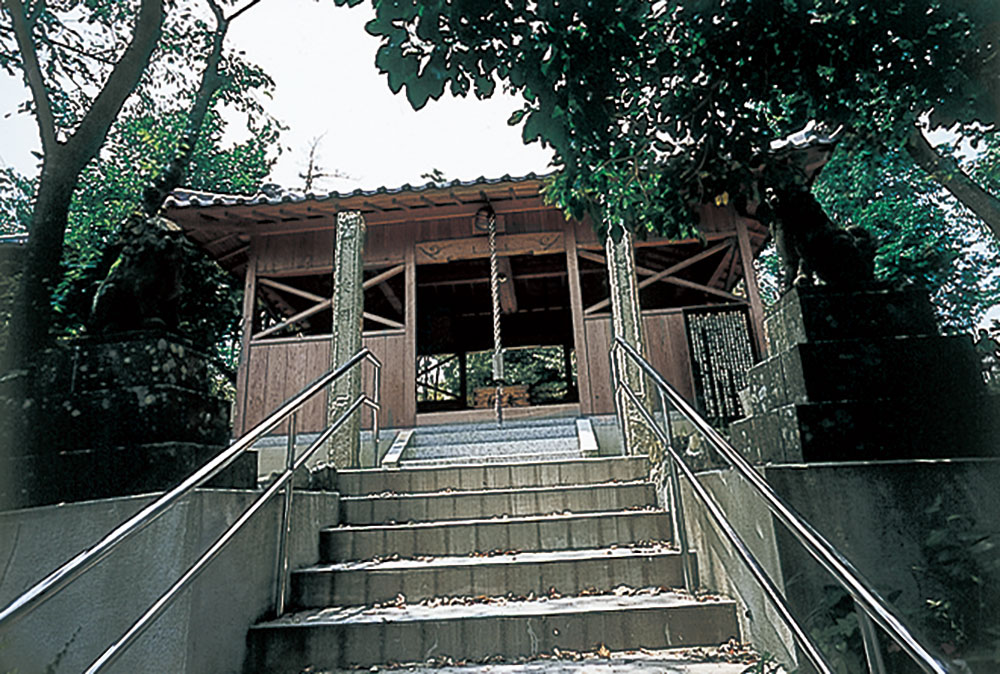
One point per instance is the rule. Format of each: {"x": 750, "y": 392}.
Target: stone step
{"x": 659, "y": 661}
{"x": 462, "y": 537}
{"x": 899, "y": 368}
{"x": 361, "y": 637}
{"x": 493, "y": 475}
{"x": 515, "y": 502}
{"x": 493, "y": 448}
{"x": 460, "y": 435}
{"x": 810, "y": 314}
{"x": 569, "y": 572}
{"x": 473, "y": 460}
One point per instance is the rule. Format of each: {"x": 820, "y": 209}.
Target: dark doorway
{"x": 455, "y": 333}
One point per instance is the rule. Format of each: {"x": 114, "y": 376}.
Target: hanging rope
{"x": 495, "y": 293}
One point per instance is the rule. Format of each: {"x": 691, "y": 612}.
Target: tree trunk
{"x": 947, "y": 172}
{"x": 31, "y": 315}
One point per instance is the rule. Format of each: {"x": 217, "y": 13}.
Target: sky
{"x": 327, "y": 85}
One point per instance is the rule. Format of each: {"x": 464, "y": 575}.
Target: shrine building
{"x": 427, "y": 299}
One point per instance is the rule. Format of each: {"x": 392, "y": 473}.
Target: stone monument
{"x": 110, "y": 415}
{"x": 127, "y": 408}
{"x": 862, "y": 374}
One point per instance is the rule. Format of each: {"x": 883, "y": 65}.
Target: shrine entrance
{"x": 455, "y": 334}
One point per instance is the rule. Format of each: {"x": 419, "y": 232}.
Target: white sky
{"x": 322, "y": 61}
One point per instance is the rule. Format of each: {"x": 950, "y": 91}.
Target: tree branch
{"x": 947, "y": 172}
{"x": 23, "y": 27}
{"x": 86, "y": 141}
{"x": 173, "y": 174}
{"x": 239, "y": 12}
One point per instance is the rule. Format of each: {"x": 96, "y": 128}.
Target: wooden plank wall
{"x": 312, "y": 252}
{"x": 666, "y": 347}
{"x": 281, "y": 369}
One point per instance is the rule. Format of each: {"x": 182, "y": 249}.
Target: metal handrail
{"x": 871, "y": 604}
{"x": 63, "y": 576}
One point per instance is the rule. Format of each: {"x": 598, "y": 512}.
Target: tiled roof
{"x": 182, "y": 198}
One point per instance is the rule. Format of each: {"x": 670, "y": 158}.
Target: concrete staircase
{"x": 494, "y": 560}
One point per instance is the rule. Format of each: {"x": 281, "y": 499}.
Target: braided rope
{"x": 497, "y": 347}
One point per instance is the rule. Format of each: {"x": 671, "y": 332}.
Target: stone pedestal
{"x": 108, "y": 416}
{"x": 863, "y": 376}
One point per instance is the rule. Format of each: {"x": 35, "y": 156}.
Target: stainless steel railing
{"x": 63, "y": 576}
{"x": 871, "y": 607}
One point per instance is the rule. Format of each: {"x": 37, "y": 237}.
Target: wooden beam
{"x": 593, "y": 257}
{"x": 654, "y": 276}
{"x": 719, "y": 276}
{"x": 384, "y": 321}
{"x": 408, "y": 380}
{"x": 315, "y": 309}
{"x": 231, "y": 254}
{"x": 391, "y": 297}
{"x": 750, "y": 278}
{"x": 576, "y": 312}
{"x": 656, "y": 243}
{"x": 289, "y": 289}
{"x": 284, "y": 308}
{"x": 433, "y": 252}
{"x": 217, "y": 240}
{"x": 431, "y": 203}
{"x": 384, "y": 276}
{"x": 249, "y": 316}
{"x": 508, "y": 296}
{"x": 684, "y": 283}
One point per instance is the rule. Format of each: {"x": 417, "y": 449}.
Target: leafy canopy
{"x": 652, "y": 106}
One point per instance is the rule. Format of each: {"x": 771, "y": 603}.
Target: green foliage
{"x": 961, "y": 559}
{"x": 834, "y": 627}
{"x": 111, "y": 189}
{"x": 541, "y": 368}
{"x": 651, "y": 107}
{"x": 16, "y": 192}
{"x": 926, "y": 237}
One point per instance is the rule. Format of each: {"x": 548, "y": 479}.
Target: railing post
{"x": 873, "y": 653}
{"x": 281, "y": 588}
{"x": 677, "y": 518}
{"x": 377, "y": 383}
{"x": 616, "y": 385}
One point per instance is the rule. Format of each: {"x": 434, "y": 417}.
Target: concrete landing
{"x": 472, "y": 443}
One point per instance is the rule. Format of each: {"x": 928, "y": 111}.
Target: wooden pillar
{"x": 249, "y": 322}
{"x": 343, "y": 449}
{"x": 626, "y": 321}
{"x": 576, "y": 312}
{"x": 409, "y": 379}
{"x": 750, "y": 280}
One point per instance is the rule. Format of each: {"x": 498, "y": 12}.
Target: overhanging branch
{"x": 23, "y": 30}
{"x": 947, "y": 172}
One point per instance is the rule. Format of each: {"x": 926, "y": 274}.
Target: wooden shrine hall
{"x": 427, "y": 301}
